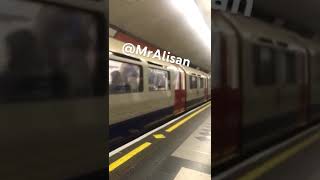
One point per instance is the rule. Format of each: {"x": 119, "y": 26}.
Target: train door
{"x": 209, "y": 87}
{"x": 292, "y": 91}
{"x": 226, "y": 109}
{"x": 205, "y": 80}
{"x": 201, "y": 89}
{"x": 313, "y": 86}
{"x": 180, "y": 92}
{"x": 304, "y": 87}
{"x": 206, "y": 89}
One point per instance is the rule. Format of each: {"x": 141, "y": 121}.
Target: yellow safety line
{"x": 128, "y": 156}
{"x": 175, "y": 126}
{"x": 268, "y": 165}
{"x": 159, "y": 136}
{"x": 137, "y": 150}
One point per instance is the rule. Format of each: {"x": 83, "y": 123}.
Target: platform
{"x": 296, "y": 159}
{"x": 178, "y": 150}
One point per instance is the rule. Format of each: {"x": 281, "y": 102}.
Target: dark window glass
{"x": 47, "y": 52}
{"x": 201, "y": 82}
{"x": 124, "y": 77}
{"x": 159, "y": 80}
{"x": 193, "y": 82}
{"x": 315, "y": 68}
{"x": 291, "y": 68}
{"x": 264, "y": 66}
{"x": 177, "y": 80}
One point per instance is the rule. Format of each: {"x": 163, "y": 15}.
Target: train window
{"x": 124, "y": 78}
{"x": 159, "y": 80}
{"x": 201, "y": 82}
{"x": 183, "y": 80}
{"x": 291, "y": 68}
{"x": 264, "y": 66}
{"x": 47, "y": 52}
{"x": 193, "y": 82}
{"x": 281, "y": 57}
{"x": 177, "y": 81}
{"x": 315, "y": 75}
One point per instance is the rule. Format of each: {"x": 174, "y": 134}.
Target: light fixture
{"x": 193, "y": 16}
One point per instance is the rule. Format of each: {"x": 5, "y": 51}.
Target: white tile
{"x": 190, "y": 174}
{"x": 194, "y": 149}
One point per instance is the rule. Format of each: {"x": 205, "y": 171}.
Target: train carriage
{"x": 157, "y": 89}
{"x": 144, "y": 98}
{"x": 314, "y": 78}
{"x": 53, "y": 94}
{"x": 195, "y": 83}
{"x": 261, "y": 85}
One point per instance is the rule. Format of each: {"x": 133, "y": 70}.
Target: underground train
{"x": 53, "y": 89}
{"x": 145, "y": 90}
{"x": 265, "y": 85}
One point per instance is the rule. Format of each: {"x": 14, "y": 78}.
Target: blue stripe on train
{"x": 149, "y": 120}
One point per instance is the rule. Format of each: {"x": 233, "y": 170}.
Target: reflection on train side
{"x": 52, "y": 91}
{"x": 124, "y": 77}
{"x": 158, "y": 80}
{"x": 41, "y": 57}
{"x": 265, "y": 85}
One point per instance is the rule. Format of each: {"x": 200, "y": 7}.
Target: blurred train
{"x": 266, "y": 84}
{"x": 53, "y": 89}
{"x": 144, "y": 90}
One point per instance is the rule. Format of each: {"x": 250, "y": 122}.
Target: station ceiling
{"x": 165, "y": 25}
{"x": 162, "y": 24}
{"x": 300, "y": 14}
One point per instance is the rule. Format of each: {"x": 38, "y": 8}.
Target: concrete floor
{"x": 182, "y": 154}
{"x": 297, "y": 159}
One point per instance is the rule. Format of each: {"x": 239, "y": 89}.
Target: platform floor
{"x": 298, "y": 159}
{"x": 178, "y": 150}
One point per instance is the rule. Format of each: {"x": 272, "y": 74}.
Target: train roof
{"x": 260, "y": 32}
